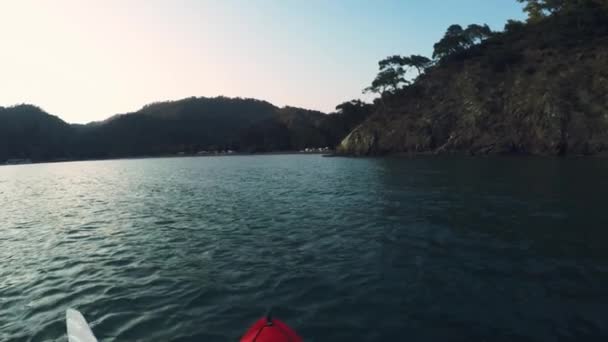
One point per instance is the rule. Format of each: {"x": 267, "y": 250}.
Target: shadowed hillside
{"x": 27, "y": 132}
{"x": 185, "y": 126}
{"x": 536, "y": 88}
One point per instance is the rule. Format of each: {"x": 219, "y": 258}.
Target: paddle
{"x": 78, "y": 328}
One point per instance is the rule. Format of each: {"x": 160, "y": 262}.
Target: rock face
{"x": 541, "y": 89}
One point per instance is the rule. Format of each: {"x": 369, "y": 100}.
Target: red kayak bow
{"x": 268, "y": 329}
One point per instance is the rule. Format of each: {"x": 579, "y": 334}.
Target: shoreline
{"x": 410, "y": 155}
{"x": 162, "y": 156}
{"x": 327, "y": 154}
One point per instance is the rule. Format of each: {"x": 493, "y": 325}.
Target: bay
{"x": 196, "y": 249}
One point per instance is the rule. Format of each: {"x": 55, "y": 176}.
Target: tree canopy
{"x": 351, "y": 106}
{"x": 539, "y": 9}
{"x": 390, "y": 78}
{"x": 420, "y": 63}
{"x": 458, "y": 39}
{"x": 393, "y": 69}
{"x": 392, "y": 72}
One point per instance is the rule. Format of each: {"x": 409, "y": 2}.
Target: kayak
{"x": 266, "y": 329}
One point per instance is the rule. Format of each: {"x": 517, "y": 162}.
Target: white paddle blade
{"x": 78, "y": 328}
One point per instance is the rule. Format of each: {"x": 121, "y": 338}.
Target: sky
{"x": 85, "y": 60}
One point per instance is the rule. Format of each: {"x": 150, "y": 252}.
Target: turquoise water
{"x": 196, "y": 249}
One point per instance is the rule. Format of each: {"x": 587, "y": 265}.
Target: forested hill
{"x": 189, "y": 126}
{"x": 537, "y": 87}
{"x": 28, "y": 132}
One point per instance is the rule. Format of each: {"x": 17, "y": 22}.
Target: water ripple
{"x": 193, "y": 249}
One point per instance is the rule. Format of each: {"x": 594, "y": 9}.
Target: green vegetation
{"x": 564, "y": 14}
{"x": 457, "y": 39}
{"x": 26, "y": 132}
{"x": 540, "y": 9}
{"x": 538, "y": 87}
{"x": 391, "y": 77}
{"x": 188, "y": 126}
{"x": 393, "y": 69}
{"x": 388, "y": 80}
{"x": 348, "y": 116}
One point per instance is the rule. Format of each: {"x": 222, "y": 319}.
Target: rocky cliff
{"x": 538, "y": 89}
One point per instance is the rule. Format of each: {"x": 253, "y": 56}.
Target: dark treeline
{"x": 190, "y": 125}
{"x": 580, "y": 19}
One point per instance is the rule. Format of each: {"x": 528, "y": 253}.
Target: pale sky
{"x": 85, "y": 60}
